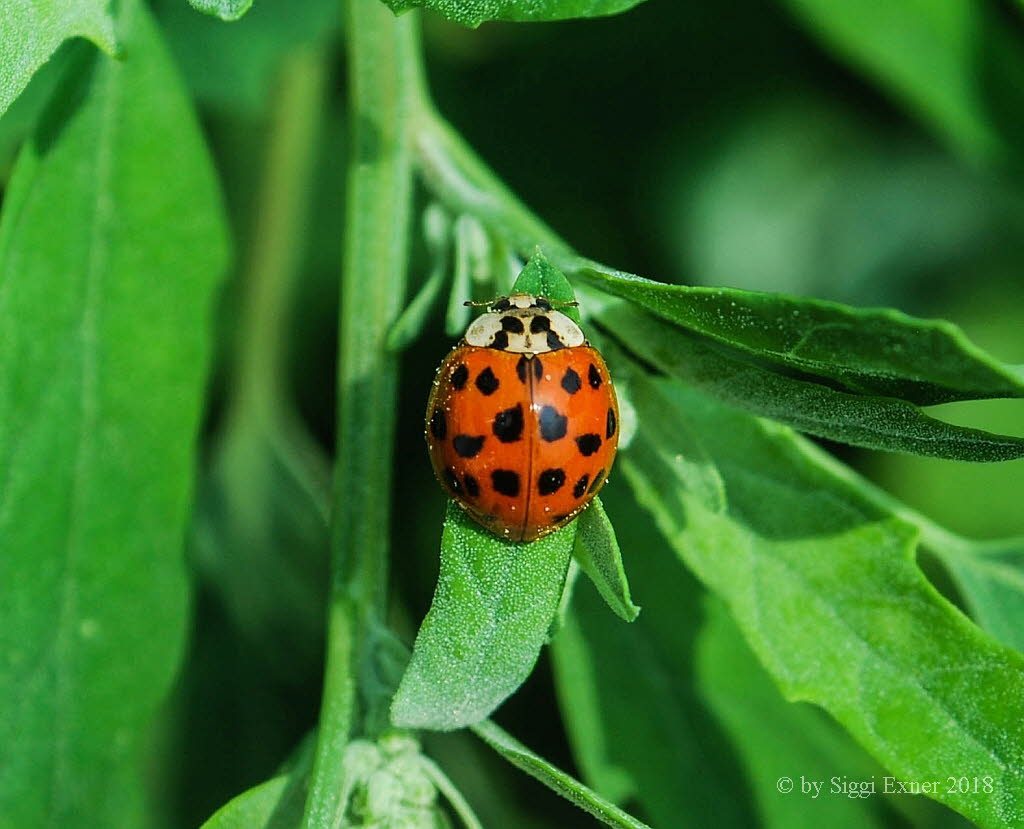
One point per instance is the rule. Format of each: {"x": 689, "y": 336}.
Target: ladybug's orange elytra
{"x": 522, "y": 424}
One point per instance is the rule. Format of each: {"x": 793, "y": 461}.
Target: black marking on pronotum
{"x": 540, "y": 323}
{"x": 550, "y": 481}
{"x": 472, "y": 487}
{"x": 468, "y": 446}
{"x": 452, "y": 481}
{"x": 581, "y": 487}
{"x": 459, "y": 377}
{"x": 554, "y": 341}
{"x": 594, "y": 376}
{"x": 538, "y": 369}
{"x": 508, "y": 424}
{"x": 487, "y": 382}
{"x": 553, "y": 426}
{"x": 513, "y": 324}
{"x": 438, "y": 424}
{"x": 588, "y": 444}
{"x": 571, "y": 381}
{"x": 501, "y": 305}
{"x": 610, "y": 428}
{"x": 597, "y": 482}
{"x": 542, "y": 303}
{"x": 505, "y": 482}
{"x": 500, "y": 340}
{"x": 521, "y": 368}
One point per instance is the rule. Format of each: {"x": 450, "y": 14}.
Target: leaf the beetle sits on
{"x": 870, "y": 351}
{"x": 540, "y": 278}
{"x": 858, "y": 631}
{"x": 597, "y": 551}
{"x": 873, "y": 422}
{"x": 494, "y": 602}
{"x": 475, "y": 12}
{"x": 112, "y": 243}
{"x": 31, "y": 32}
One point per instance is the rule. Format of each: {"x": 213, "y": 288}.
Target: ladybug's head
{"x": 524, "y": 324}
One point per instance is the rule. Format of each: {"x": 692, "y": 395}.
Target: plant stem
{"x": 383, "y": 75}
{"x": 277, "y": 235}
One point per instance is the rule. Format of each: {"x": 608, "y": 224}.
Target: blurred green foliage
{"x": 860, "y": 151}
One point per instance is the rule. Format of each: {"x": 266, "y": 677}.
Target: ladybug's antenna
{"x": 470, "y": 304}
{"x": 563, "y": 303}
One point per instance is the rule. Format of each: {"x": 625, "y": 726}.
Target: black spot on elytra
{"x": 540, "y": 323}
{"x": 487, "y": 382}
{"x": 508, "y": 424}
{"x": 500, "y": 340}
{"x": 468, "y": 446}
{"x": 554, "y": 341}
{"x": 459, "y": 377}
{"x": 571, "y": 381}
{"x": 553, "y": 426}
{"x": 588, "y": 444}
{"x": 521, "y": 368}
{"x": 538, "y": 369}
{"x": 438, "y": 424}
{"x": 452, "y": 481}
{"x": 581, "y": 487}
{"x": 550, "y": 481}
{"x": 505, "y": 482}
{"x": 594, "y": 377}
{"x": 472, "y": 487}
{"x": 597, "y": 481}
{"x": 513, "y": 324}
{"x": 610, "y": 428}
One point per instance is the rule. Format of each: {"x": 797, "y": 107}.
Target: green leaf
{"x": 925, "y": 53}
{"x": 872, "y": 422}
{"x": 234, "y": 68}
{"x": 990, "y": 576}
{"x": 474, "y": 12}
{"x": 858, "y": 631}
{"x": 777, "y": 739}
{"x": 30, "y": 33}
{"x": 540, "y": 278}
{"x": 870, "y": 351}
{"x": 597, "y": 551}
{"x": 112, "y": 242}
{"x": 628, "y": 697}
{"x": 251, "y": 809}
{"x": 489, "y": 619}
{"x": 554, "y": 778}
{"x": 227, "y": 10}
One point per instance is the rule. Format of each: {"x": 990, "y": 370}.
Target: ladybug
{"x": 522, "y": 423}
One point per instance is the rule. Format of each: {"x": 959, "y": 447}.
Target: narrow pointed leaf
{"x": 870, "y": 351}
{"x": 872, "y": 422}
{"x": 554, "y": 778}
{"x": 475, "y": 12}
{"x": 597, "y": 551}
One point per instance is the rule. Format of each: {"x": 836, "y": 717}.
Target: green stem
{"x": 277, "y": 234}
{"x": 383, "y": 78}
